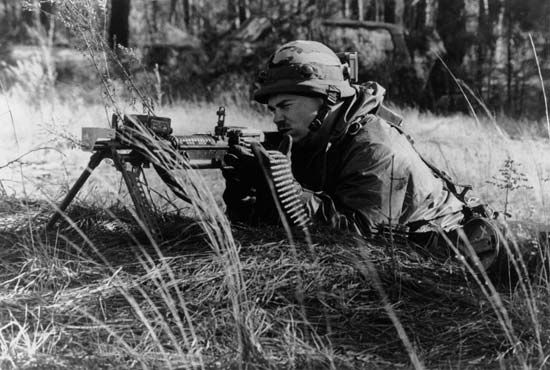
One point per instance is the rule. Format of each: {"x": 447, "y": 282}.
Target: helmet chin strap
{"x": 333, "y": 95}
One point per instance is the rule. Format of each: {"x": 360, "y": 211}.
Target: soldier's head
{"x": 302, "y": 81}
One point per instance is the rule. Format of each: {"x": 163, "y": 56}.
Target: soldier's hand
{"x": 242, "y": 175}
{"x": 239, "y": 196}
{"x": 245, "y": 165}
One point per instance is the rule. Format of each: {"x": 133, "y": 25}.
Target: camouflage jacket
{"x": 367, "y": 174}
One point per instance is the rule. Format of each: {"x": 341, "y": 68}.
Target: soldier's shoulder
{"x": 375, "y": 133}
{"x": 368, "y": 127}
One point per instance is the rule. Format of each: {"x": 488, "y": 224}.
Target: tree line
{"x": 483, "y": 45}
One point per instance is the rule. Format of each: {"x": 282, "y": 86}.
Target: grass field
{"x": 98, "y": 293}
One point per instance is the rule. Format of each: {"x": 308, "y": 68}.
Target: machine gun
{"x": 136, "y": 141}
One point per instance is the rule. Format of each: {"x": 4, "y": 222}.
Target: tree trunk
{"x": 546, "y": 50}
{"x": 509, "y": 65}
{"x": 380, "y": 10}
{"x": 7, "y": 14}
{"x": 154, "y": 16}
{"x": 47, "y": 12}
{"x": 119, "y": 28}
{"x": 233, "y": 11}
{"x": 173, "y": 17}
{"x": 16, "y": 14}
{"x": 345, "y": 9}
{"x": 500, "y": 45}
{"x": 471, "y": 14}
{"x": 244, "y": 10}
{"x": 29, "y": 14}
{"x": 481, "y": 44}
{"x": 187, "y": 14}
{"x": 199, "y": 16}
{"x": 360, "y": 10}
{"x": 431, "y": 14}
{"x": 399, "y": 12}
{"x": 410, "y": 17}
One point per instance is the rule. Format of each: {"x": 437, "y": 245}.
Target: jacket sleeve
{"x": 370, "y": 191}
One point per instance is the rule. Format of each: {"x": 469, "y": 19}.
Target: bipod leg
{"x": 143, "y": 207}
{"x": 95, "y": 160}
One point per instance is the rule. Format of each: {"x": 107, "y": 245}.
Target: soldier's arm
{"x": 370, "y": 191}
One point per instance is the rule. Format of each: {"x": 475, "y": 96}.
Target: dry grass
{"x": 474, "y": 154}
{"x": 105, "y": 295}
{"x": 98, "y": 292}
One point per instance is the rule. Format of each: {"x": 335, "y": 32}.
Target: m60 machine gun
{"x": 134, "y": 142}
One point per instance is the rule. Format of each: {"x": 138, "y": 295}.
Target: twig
{"x": 17, "y": 160}
{"x": 10, "y": 112}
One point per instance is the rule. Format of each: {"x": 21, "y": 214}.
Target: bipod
{"x": 130, "y": 173}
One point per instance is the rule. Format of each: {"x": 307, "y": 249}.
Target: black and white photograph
{"x": 274, "y": 184}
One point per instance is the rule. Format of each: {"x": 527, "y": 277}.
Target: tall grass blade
{"x": 541, "y": 84}
{"x": 368, "y": 270}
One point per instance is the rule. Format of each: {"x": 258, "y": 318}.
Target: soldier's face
{"x": 293, "y": 113}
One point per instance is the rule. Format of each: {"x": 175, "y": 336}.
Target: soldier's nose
{"x": 278, "y": 119}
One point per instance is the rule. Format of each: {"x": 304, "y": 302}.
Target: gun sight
{"x": 160, "y": 126}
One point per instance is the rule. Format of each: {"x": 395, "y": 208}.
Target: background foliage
{"x": 201, "y": 47}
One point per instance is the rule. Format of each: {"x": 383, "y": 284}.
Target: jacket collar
{"x": 367, "y": 99}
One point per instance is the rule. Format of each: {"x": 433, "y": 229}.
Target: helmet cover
{"x": 303, "y": 68}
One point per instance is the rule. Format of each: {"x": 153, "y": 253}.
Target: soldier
{"x": 355, "y": 168}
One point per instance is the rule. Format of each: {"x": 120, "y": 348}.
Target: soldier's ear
{"x": 285, "y": 146}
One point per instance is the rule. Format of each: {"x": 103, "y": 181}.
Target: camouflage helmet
{"x": 303, "y": 68}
